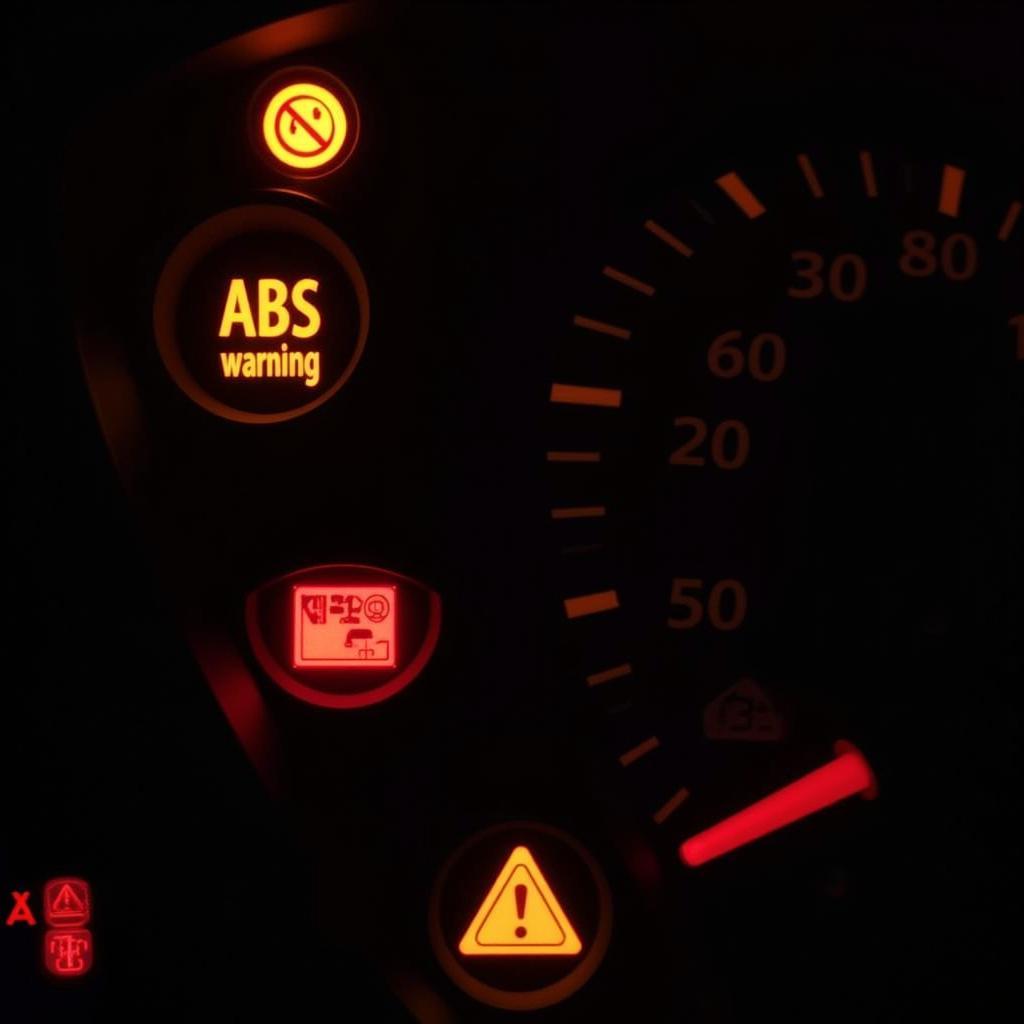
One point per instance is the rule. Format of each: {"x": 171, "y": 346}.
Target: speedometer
{"x": 784, "y": 473}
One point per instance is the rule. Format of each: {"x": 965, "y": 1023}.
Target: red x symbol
{"x": 21, "y": 911}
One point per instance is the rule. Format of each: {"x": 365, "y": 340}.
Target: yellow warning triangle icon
{"x": 520, "y": 916}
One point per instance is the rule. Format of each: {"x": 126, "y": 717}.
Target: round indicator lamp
{"x": 308, "y": 123}
{"x": 261, "y": 314}
{"x": 521, "y": 916}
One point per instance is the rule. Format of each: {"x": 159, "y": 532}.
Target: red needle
{"x": 845, "y": 776}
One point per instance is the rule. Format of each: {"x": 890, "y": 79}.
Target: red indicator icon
{"x": 344, "y": 627}
{"x": 21, "y": 912}
{"x": 68, "y": 952}
{"x": 520, "y": 916}
{"x": 66, "y": 902}
{"x": 343, "y": 636}
{"x": 743, "y": 712}
{"x": 845, "y": 776}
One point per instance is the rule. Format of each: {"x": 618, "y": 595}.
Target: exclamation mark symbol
{"x": 520, "y": 910}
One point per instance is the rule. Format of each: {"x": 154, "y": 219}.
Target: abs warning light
{"x": 520, "y": 917}
{"x": 261, "y": 314}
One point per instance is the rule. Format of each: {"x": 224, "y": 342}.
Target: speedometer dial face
{"x": 784, "y": 476}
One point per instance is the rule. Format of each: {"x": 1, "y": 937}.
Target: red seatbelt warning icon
{"x": 66, "y": 902}
{"x": 520, "y": 916}
{"x": 344, "y": 627}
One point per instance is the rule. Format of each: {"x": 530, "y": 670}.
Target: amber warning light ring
{"x": 261, "y": 314}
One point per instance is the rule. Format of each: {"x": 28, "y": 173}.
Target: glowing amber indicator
{"x": 344, "y": 627}
{"x": 308, "y": 122}
{"x": 520, "y": 916}
{"x": 343, "y": 636}
{"x": 261, "y": 314}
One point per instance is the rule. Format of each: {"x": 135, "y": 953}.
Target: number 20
{"x": 730, "y": 443}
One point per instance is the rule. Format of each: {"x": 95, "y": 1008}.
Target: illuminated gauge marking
{"x": 574, "y": 394}
{"x": 867, "y": 169}
{"x": 520, "y": 916}
{"x": 1009, "y": 221}
{"x": 628, "y": 281}
{"x": 308, "y": 122}
{"x": 668, "y": 238}
{"x": 952, "y": 190}
{"x": 598, "y": 327}
{"x": 811, "y": 175}
{"x": 739, "y": 192}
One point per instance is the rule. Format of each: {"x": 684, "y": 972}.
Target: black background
{"x": 117, "y": 763}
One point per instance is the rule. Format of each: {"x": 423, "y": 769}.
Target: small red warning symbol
{"x": 68, "y": 952}
{"x": 743, "y": 712}
{"x": 520, "y": 916}
{"x": 66, "y": 902}
{"x": 344, "y": 627}
{"x": 314, "y": 606}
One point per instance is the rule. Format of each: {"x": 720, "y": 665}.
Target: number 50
{"x": 726, "y": 604}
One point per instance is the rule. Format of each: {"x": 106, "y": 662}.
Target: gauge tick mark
{"x": 573, "y": 456}
{"x": 1009, "y": 221}
{"x": 736, "y": 189}
{"x": 600, "y": 327}
{"x": 579, "y": 512}
{"x": 810, "y": 175}
{"x": 701, "y": 212}
{"x": 666, "y": 236}
{"x": 591, "y": 604}
{"x": 867, "y": 170}
{"x": 575, "y": 394}
{"x": 670, "y": 806}
{"x": 629, "y": 281}
{"x": 951, "y": 191}
{"x": 640, "y": 750}
{"x": 609, "y": 674}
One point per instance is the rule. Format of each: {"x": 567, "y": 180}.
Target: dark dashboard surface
{"x": 508, "y": 154}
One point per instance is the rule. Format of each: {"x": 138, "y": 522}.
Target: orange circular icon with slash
{"x": 309, "y": 123}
